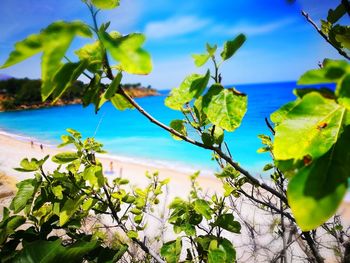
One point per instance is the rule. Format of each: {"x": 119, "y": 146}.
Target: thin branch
{"x": 340, "y": 51}
{"x": 314, "y": 250}
{"x": 135, "y": 240}
{"x": 272, "y": 207}
{"x": 202, "y": 145}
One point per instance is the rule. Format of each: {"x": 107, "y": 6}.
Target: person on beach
{"x": 41, "y": 147}
{"x": 32, "y": 144}
{"x": 111, "y": 167}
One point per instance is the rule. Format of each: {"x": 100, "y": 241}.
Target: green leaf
{"x": 198, "y": 110}
{"x": 200, "y": 59}
{"x": 228, "y": 172}
{"x": 127, "y": 50}
{"x": 202, "y": 207}
{"x": 310, "y": 128}
{"x": 332, "y": 71}
{"x": 216, "y": 255}
{"x": 211, "y": 49}
{"x": 318, "y": 189}
{"x": 69, "y": 208}
{"x": 94, "y": 175}
{"x": 25, "y": 49}
{"x": 218, "y": 135}
{"x": 120, "y": 103}
{"x": 228, "y": 189}
{"x": 281, "y": 114}
{"x": 343, "y": 91}
{"x": 268, "y": 167}
{"x": 53, "y": 41}
{"x": 171, "y": 251}
{"x": 65, "y": 77}
{"x": 111, "y": 91}
{"x": 65, "y": 157}
{"x": 325, "y": 92}
{"x": 132, "y": 234}
{"x": 335, "y": 15}
{"x": 179, "y": 126}
{"x": 105, "y": 4}
{"x": 93, "y": 54}
{"x": 230, "y": 47}
{"x": 42, "y": 251}
{"x": 113, "y": 87}
{"x": 25, "y": 193}
{"x": 225, "y": 108}
{"x": 192, "y": 87}
{"x": 226, "y": 221}
{"x": 28, "y": 166}
{"x": 207, "y": 139}
{"x": 58, "y": 191}
{"x": 57, "y": 38}
{"x": 8, "y": 225}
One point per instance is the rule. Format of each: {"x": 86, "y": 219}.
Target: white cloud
{"x": 174, "y": 26}
{"x": 252, "y": 29}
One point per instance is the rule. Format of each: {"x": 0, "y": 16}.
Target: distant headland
{"x": 22, "y": 94}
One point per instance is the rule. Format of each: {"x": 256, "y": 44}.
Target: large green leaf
{"x": 316, "y": 191}
{"x": 281, "y": 114}
{"x": 58, "y": 37}
{"x": 65, "y": 157}
{"x": 53, "y": 41}
{"x": 127, "y": 50}
{"x": 65, "y": 77}
{"x": 221, "y": 250}
{"x": 28, "y": 166}
{"x": 309, "y": 129}
{"x": 93, "y": 54}
{"x": 94, "y": 175}
{"x": 53, "y": 251}
{"x": 332, "y": 71}
{"x": 120, "y": 103}
{"x": 8, "y": 224}
{"x": 192, "y": 87}
{"x": 24, "y": 49}
{"x": 226, "y": 221}
{"x": 171, "y": 251}
{"x": 105, "y": 4}
{"x": 224, "y": 107}
{"x": 25, "y": 193}
{"x": 230, "y": 47}
{"x": 202, "y": 207}
{"x": 69, "y": 208}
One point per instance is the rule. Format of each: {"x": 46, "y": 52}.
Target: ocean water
{"x": 129, "y": 135}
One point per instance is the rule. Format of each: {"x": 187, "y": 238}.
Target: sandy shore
{"x": 12, "y": 151}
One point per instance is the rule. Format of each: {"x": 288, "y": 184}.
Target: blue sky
{"x": 280, "y": 45}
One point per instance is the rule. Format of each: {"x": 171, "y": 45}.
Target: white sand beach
{"x": 12, "y": 151}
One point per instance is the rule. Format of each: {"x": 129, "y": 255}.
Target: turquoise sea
{"x": 129, "y": 135}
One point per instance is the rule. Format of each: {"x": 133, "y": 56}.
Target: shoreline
{"x": 14, "y": 148}
{"x": 160, "y": 164}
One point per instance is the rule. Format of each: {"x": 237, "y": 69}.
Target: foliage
{"x": 312, "y": 135}
{"x": 64, "y": 199}
{"x": 199, "y": 218}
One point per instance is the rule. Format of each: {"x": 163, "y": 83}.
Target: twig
{"x": 340, "y": 51}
